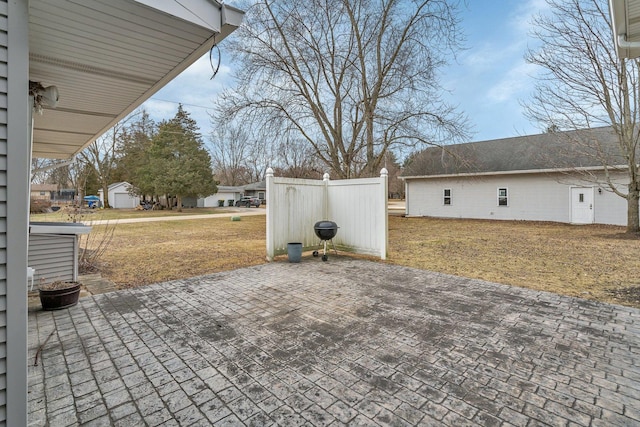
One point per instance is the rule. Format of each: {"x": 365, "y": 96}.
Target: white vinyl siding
{"x": 531, "y": 197}
{"x": 52, "y": 255}
{"x": 3, "y": 210}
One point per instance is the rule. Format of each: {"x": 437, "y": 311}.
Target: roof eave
{"x": 107, "y": 57}
{"x": 515, "y": 172}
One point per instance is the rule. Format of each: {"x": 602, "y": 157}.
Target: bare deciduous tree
{"x": 353, "y": 78}
{"x": 229, "y": 146}
{"x": 585, "y": 85}
{"x": 296, "y": 160}
{"x": 40, "y": 170}
{"x": 101, "y": 155}
{"x": 78, "y": 174}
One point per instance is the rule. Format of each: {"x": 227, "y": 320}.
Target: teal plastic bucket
{"x": 294, "y": 252}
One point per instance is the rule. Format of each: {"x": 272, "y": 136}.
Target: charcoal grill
{"x": 326, "y": 231}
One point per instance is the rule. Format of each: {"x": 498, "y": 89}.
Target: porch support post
{"x": 384, "y": 211}
{"x": 16, "y": 198}
{"x": 270, "y": 196}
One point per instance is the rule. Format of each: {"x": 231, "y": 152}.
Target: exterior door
{"x": 582, "y": 205}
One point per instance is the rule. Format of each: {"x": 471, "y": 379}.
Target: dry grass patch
{"x": 153, "y": 252}
{"x": 596, "y": 262}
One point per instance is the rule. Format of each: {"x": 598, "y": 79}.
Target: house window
{"x": 502, "y": 197}
{"x": 581, "y": 197}
{"x": 261, "y": 195}
{"x": 447, "y": 196}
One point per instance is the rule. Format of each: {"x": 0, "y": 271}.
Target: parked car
{"x": 248, "y": 201}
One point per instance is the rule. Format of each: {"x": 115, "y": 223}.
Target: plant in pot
{"x": 59, "y": 294}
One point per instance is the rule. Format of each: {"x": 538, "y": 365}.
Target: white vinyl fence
{"x": 357, "y": 206}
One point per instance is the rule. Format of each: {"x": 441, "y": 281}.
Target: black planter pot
{"x": 57, "y": 299}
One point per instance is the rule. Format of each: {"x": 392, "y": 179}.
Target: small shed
{"x": 120, "y": 197}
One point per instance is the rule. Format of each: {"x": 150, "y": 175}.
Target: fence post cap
{"x": 384, "y": 172}
{"x": 325, "y": 177}
{"x": 269, "y": 172}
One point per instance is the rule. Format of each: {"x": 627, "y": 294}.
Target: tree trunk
{"x": 105, "y": 196}
{"x": 633, "y": 214}
{"x": 179, "y": 202}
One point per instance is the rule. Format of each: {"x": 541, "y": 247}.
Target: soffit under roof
{"x": 107, "y": 57}
{"x": 625, "y": 21}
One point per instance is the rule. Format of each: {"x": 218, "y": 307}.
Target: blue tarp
{"x": 93, "y": 201}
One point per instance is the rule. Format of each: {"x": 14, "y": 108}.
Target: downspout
{"x": 623, "y": 43}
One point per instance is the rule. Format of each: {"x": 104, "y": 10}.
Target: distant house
{"x": 43, "y": 191}
{"x": 256, "y": 189}
{"x": 228, "y": 193}
{"x": 119, "y": 197}
{"x": 542, "y": 177}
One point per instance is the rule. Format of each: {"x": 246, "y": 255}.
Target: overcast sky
{"x": 486, "y": 81}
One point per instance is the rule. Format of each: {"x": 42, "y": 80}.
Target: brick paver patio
{"x": 343, "y": 342}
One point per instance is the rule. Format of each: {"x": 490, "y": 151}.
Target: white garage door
{"x": 123, "y": 201}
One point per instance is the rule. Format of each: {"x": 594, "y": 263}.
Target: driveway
{"x": 333, "y": 343}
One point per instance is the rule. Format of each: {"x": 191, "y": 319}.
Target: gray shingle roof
{"x": 256, "y": 186}
{"x": 556, "y": 150}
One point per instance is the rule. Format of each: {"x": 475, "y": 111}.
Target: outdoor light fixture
{"x": 50, "y": 96}
{"x": 599, "y": 190}
{"x": 43, "y": 95}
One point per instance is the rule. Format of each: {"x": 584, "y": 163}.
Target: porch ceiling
{"x": 107, "y": 57}
{"x": 625, "y": 20}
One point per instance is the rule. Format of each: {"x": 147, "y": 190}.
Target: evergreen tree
{"x": 133, "y": 154}
{"x": 178, "y": 165}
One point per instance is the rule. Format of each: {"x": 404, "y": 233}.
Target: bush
{"x": 231, "y": 202}
{"x": 220, "y": 203}
{"x": 40, "y": 206}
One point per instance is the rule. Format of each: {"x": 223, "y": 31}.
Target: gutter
{"x": 624, "y": 44}
{"x": 619, "y": 12}
{"x": 515, "y": 172}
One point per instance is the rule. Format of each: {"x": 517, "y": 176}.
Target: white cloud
{"x": 521, "y": 18}
{"x": 157, "y": 108}
{"x": 516, "y": 81}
